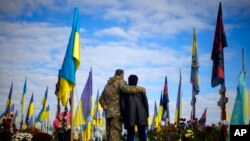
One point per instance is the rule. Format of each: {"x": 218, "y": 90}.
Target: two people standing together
{"x": 124, "y": 103}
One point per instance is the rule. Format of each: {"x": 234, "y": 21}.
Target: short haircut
{"x": 132, "y": 80}
{"x": 119, "y": 72}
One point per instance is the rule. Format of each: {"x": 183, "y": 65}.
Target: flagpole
{"x": 243, "y": 59}
{"x": 56, "y": 93}
{"x": 21, "y": 123}
{"x": 222, "y": 104}
{"x": 71, "y": 114}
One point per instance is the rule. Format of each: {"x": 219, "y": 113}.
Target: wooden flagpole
{"x": 222, "y": 104}
{"x": 71, "y": 115}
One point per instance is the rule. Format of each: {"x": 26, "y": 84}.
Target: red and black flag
{"x": 220, "y": 41}
{"x": 165, "y": 101}
{"x": 202, "y": 120}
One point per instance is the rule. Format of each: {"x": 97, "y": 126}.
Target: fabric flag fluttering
{"x": 165, "y": 101}
{"x": 43, "y": 114}
{"x": 9, "y": 106}
{"x": 220, "y": 41}
{"x": 30, "y": 111}
{"x": 241, "y": 109}
{"x": 71, "y": 61}
{"x": 9, "y": 102}
{"x": 15, "y": 117}
{"x": 86, "y": 96}
{"x": 160, "y": 110}
{"x": 202, "y": 120}
{"x": 23, "y": 102}
{"x": 97, "y": 107}
{"x": 46, "y": 113}
{"x": 155, "y": 118}
{"x": 179, "y": 108}
{"x": 194, "y": 75}
{"x": 195, "y": 67}
{"x": 23, "y": 94}
{"x": 84, "y": 106}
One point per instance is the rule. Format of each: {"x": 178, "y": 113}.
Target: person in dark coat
{"x": 134, "y": 110}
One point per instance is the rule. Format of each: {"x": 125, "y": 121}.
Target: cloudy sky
{"x": 149, "y": 38}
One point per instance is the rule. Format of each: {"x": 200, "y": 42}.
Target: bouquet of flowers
{"x": 22, "y": 137}
{"x": 61, "y": 125}
{"x": 62, "y": 121}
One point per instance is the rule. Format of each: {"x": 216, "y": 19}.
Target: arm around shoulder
{"x": 133, "y": 89}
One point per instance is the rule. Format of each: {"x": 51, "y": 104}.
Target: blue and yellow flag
{"x": 155, "y": 121}
{"x": 46, "y": 114}
{"x": 30, "y": 122}
{"x": 78, "y": 118}
{"x": 160, "y": 110}
{"x": 9, "y": 101}
{"x": 30, "y": 111}
{"x": 15, "y": 117}
{"x": 38, "y": 117}
{"x": 42, "y": 116}
{"x": 71, "y": 61}
{"x": 97, "y": 107}
{"x": 241, "y": 108}
{"x": 195, "y": 67}
{"x": 8, "y": 111}
{"x": 9, "y": 104}
{"x": 23, "y": 94}
{"x": 84, "y": 106}
{"x": 44, "y": 100}
{"x": 44, "y": 109}
{"x": 178, "y": 110}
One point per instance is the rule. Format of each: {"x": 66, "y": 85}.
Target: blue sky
{"x": 151, "y": 39}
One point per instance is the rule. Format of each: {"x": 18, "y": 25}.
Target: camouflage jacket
{"x": 110, "y": 95}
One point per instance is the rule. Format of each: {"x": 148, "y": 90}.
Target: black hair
{"x": 119, "y": 72}
{"x": 132, "y": 80}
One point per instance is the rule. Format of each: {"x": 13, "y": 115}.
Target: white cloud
{"x": 117, "y": 32}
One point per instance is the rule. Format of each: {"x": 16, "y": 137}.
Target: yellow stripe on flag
{"x": 76, "y": 51}
{"x": 65, "y": 87}
{"x": 78, "y": 118}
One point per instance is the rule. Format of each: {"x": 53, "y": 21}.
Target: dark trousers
{"x": 141, "y": 132}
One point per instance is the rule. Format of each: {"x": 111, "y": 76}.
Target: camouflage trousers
{"x": 113, "y": 129}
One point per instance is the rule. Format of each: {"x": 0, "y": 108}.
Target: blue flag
{"x": 86, "y": 96}
{"x": 241, "y": 107}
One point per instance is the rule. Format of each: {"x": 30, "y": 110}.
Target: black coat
{"x": 134, "y": 109}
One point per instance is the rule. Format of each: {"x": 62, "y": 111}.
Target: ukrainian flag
{"x": 43, "y": 115}
{"x": 71, "y": 62}
{"x": 160, "y": 109}
{"x": 15, "y": 117}
{"x": 30, "y": 111}
{"x": 179, "y": 103}
{"x": 195, "y": 67}
{"x": 23, "y": 94}
{"x": 46, "y": 113}
{"x": 9, "y": 101}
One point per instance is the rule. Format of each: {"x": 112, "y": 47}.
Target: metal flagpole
{"x": 243, "y": 59}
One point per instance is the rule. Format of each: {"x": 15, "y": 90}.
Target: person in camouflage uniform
{"x": 110, "y": 102}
